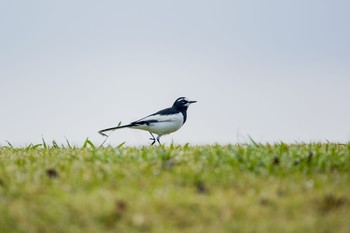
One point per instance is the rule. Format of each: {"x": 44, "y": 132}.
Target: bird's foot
{"x": 153, "y": 141}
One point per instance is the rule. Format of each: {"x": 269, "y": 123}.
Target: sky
{"x": 273, "y": 71}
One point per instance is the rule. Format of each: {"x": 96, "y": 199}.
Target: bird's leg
{"x": 152, "y": 138}
{"x": 158, "y": 139}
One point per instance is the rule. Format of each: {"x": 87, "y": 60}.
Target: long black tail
{"x": 113, "y": 128}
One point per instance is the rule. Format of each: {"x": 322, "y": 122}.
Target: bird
{"x": 163, "y": 122}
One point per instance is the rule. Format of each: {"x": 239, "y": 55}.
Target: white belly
{"x": 163, "y": 127}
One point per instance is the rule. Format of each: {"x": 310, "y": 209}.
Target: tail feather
{"x": 113, "y": 128}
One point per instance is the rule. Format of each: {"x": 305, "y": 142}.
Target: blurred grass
{"x": 235, "y": 188}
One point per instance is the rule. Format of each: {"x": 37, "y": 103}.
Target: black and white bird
{"x": 164, "y": 122}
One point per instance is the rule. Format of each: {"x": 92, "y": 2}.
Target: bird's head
{"x": 183, "y": 103}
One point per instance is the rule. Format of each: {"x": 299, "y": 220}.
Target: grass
{"x": 233, "y": 188}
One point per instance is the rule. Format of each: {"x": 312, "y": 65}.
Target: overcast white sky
{"x": 272, "y": 70}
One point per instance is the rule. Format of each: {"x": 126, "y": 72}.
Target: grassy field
{"x": 234, "y": 188}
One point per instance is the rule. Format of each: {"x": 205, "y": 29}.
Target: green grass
{"x": 234, "y": 188}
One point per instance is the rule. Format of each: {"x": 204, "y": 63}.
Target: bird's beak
{"x": 192, "y": 101}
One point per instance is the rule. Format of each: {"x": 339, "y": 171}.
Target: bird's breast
{"x": 163, "y": 124}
